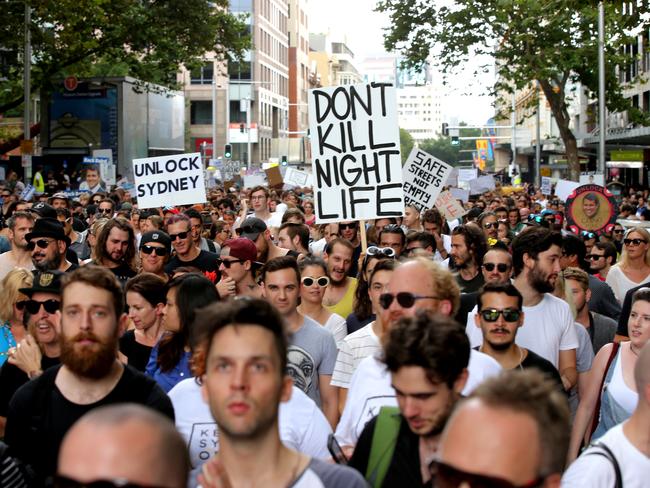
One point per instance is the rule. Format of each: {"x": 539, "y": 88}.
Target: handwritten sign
{"x": 424, "y": 176}
{"x": 355, "y": 152}
{"x": 449, "y": 206}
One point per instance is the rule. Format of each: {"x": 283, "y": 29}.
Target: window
{"x": 200, "y": 112}
{"x": 202, "y": 75}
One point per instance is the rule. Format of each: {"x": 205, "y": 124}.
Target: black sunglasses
{"x": 227, "y": 264}
{"x": 65, "y": 482}
{"x": 389, "y": 252}
{"x": 348, "y": 226}
{"x": 501, "y": 267}
{"x": 492, "y": 314}
{"x": 636, "y": 242}
{"x": 404, "y": 298}
{"x": 593, "y": 257}
{"x": 42, "y": 243}
{"x": 180, "y": 235}
{"x": 447, "y": 476}
{"x": 323, "y": 281}
{"x": 34, "y": 306}
{"x": 489, "y": 225}
{"x": 21, "y": 304}
{"x": 160, "y": 251}
{"x": 618, "y": 231}
{"x": 105, "y": 210}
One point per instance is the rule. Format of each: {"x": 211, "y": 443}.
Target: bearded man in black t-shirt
{"x": 42, "y": 411}
{"x": 115, "y": 249}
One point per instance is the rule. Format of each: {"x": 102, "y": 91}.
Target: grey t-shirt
{"x": 584, "y": 358}
{"x": 320, "y": 474}
{"x": 312, "y": 352}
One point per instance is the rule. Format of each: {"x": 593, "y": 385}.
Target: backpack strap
{"x": 384, "y": 440}
{"x": 607, "y": 453}
{"x": 612, "y": 355}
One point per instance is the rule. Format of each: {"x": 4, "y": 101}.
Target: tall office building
{"x": 299, "y": 69}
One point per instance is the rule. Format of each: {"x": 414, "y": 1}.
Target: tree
{"x": 554, "y": 43}
{"x": 405, "y": 144}
{"x": 146, "y": 39}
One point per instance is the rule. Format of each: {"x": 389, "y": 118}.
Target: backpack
{"x": 601, "y": 449}
{"x": 384, "y": 440}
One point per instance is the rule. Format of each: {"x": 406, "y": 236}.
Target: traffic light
{"x": 227, "y": 152}
{"x": 283, "y": 161}
{"x": 445, "y": 129}
{"x": 455, "y": 141}
{"x": 241, "y": 128}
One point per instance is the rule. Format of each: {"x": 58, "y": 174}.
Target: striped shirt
{"x": 352, "y": 349}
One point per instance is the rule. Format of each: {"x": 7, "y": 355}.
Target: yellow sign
{"x": 482, "y": 144}
{"x": 27, "y": 146}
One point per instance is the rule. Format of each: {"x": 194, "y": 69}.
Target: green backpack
{"x": 384, "y": 439}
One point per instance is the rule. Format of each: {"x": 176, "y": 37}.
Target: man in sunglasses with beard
{"x": 48, "y": 244}
{"x": 90, "y": 376}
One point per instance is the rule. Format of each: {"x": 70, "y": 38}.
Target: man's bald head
{"x": 126, "y": 441}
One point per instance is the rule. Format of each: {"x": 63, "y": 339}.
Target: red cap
{"x": 240, "y": 248}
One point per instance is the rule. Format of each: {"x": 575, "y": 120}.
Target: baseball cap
{"x": 156, "y": 236}
{"x": 240, "y": 248}
{"x": 43, "y": 210}
{"x": 251, "y": 228}
{"x": 44, "y": 281}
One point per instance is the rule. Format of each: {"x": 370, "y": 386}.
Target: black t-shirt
{"x": 468, "y": 286}
{"x": 533, "y": 360}
{"x": 404, "y": 469}
{"x": 467, "y": 304}
{"x": 123, "y": 272}
{"x": 205, "y": 261}
{"x": 12, "y": 378}
{"x": 39, "y": 415}
{"x": 136, "y": 353}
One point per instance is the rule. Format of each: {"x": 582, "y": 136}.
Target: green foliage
{"x": 145, "y": 39}
{"x": 553, "y": 42}
{"x": 405, "y": 144}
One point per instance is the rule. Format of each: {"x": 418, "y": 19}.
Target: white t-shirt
{"x": 446, "y": 243}
{"x": 621, "y": 284}
{"x": 352, "y": 350}
{"x": 371, "y": 388}
{"x": 337, "y": 326}
{"x": 596, "y": 471}
{"x": 303, "y": 427}
{"x": 548, "y": 329}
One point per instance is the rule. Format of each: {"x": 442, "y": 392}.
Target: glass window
{"x": 200, "y": 112}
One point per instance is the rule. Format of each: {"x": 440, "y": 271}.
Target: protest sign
{"x": 449, "y": 206}
{"x": 460, "y": 194}
{"x": 467, "y": 174}
{"x": 546, "y": 185}
{"x": 591, "y": 208}
{"x": 252, "y": 180}
{"x": 273, "y": 176}
{"x": 423, "y": 176}
{"x": 295, "y": 177}
{"x": 487, "y": 182}
{"x": 169, "y": 180}
{"x": 107, "y": 167}
{"x": 355, "y": 152}
{"x": 563, "y": 188}
{"x": 28, "y": 193}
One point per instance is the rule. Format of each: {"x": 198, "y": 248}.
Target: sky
{"x": 362, "y": 28}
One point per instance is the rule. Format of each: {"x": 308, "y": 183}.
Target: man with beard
{"x": 40, "y": 349}
{"x": 339, "y": 294}
{"x": 548, "y": 327}
{"x": 427, "y": 356}
{"x": 115, "y": 249}
{"x": 468, "y": 246}
{"x": 349, "y": 230}
{"x": 48, "y": 244}
{"x": 499, "y": 317}
{"x": 20, "y": 224}
{"x": 42, "y": 411}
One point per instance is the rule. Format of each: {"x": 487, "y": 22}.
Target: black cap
{"x": 251, "y": 228}
{"x": 156, "y": 236}
{"x": 44, "y": 281}
{"x": 46, "y": 227}
{"x": 44, "y": 210}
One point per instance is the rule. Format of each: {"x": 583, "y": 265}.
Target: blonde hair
{"x": 624, "y": 263}
{"x": 563, "y": 293}
{"x": 16, "y": 278}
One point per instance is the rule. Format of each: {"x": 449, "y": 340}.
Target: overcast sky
{"x": 363, "y": 29}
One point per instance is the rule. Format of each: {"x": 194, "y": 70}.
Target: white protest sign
{"x": 592, "y": 179}
{"x": 460, "y": 194}
{"x": 355, "y": 150}
{"x": 171, "y": 180}
{"x": 487, "y": 182}
{"x": 295, "y": 177}
{"x": 424, "y": 176}
{"x": 449, "y": 206}
{"x": 253, "y": 180}
{"x": 564, "y": 188}
{"x": 467, "y": 174}
{"x": 546, "y": 185}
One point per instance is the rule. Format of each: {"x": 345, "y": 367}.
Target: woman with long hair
{"x": 612, "y": 379}
{"x": 145, "y": 297}
{"x": 170, "y": 358}
{"x": 310, "y": 216}
{"x": 314, "y": 280}
{"x": 12, "y": 309}
{"x": 634, "y": 266}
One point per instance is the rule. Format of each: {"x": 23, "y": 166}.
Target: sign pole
{"x": 364, "y": 239}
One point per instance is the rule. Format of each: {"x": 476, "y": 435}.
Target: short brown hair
{"x": 97, "y": 277}
{"x": 578, "y": 275}
{"x": 260, "y": 188}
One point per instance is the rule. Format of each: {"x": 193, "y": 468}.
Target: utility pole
{"x": 538, "y": 144}
{"x": 601, "y": 88}
{"x": 27, "y": 62}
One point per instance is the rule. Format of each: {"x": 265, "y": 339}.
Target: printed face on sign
{"x": 591, "y": 210}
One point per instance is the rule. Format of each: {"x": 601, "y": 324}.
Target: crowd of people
{"x": 236, "y": 342}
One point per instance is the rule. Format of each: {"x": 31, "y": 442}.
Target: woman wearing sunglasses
{"x": 12, "y": 310}
{"x": 312, "y": 290}
{"x": 155, "y": 250}
{"x": 169, "y": 362}
{"x": 145, "y": 297}
{"x": 634, "y": 266}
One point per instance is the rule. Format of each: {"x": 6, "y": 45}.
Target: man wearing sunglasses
{"x": 602, "y": 258}
{"x": 20, "y": 224}
{"x": 48, "y": 245}
{"x": 77, "y": 239}
{"x": 237, "y": 268}
{"x": 510, "y": 433}
{"x": 40, "y": 349}
{"x": 105, "y": 208}
{"x": 155, "y": 248}
{"x": 499, "y": 317}
{"x": 179, "y": 228}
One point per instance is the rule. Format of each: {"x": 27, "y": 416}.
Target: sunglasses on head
{"x": 323, "y": 281}
{"x": 405, "y": 299}
{"x": 227, "y": 263}
{"x": 65, "y": 482}
{"x": 33, "y": 306}
{"x": 447, "y": 476}
{"x": 180, "y": 235}
{"x": 42, "y": 243}
{"x": 501, "y": 267}
{"x": 353, "y": 225}
{"x": 389, "y": 252}
{"x": 636, "y": 242}
{"x": 492, "y": 314}
{"x": 160, "y": 251}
